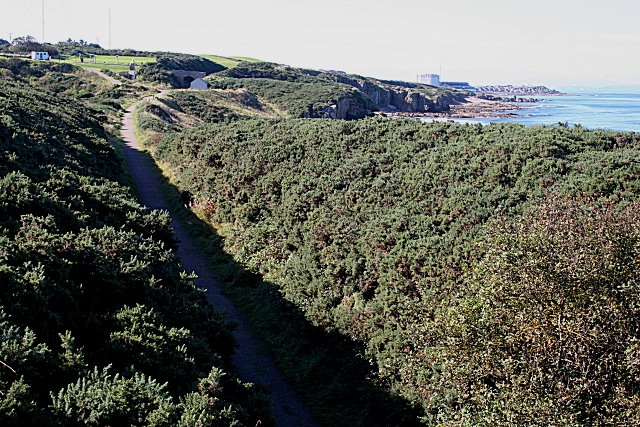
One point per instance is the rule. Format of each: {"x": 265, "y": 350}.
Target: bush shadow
{"x": 328, "y": 369}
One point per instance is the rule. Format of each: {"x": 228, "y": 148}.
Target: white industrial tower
{"x": 429, "y": 79}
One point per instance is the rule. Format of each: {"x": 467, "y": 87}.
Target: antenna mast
{"x": 42, "y": 21}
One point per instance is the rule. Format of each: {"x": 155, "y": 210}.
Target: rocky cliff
{"x": 311, "y": 93}
{"x": 408, "y": 98}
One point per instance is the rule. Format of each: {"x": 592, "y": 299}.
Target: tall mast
{"x": 42, "y": 41}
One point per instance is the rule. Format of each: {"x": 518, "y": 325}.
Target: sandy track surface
{"x": 250, "y": 360}
{"x": 103, "y": 75}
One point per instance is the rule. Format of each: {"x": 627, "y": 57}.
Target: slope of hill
{"x": 369, "y": 229}
{"x": 403, "y": 273}
{"x": 100, "y": 325}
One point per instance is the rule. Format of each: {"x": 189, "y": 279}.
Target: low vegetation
{"x": 71, "y": 82}
{"x": 401, "y": 273}
{"x": 100, "y": 325}
{"x": 229, "y": 61}
{"x": 368, "y": 230}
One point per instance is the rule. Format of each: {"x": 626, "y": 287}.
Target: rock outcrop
{"x": 345, "y": 108}
{"x": 517, "y": 90}
{"x": 392, "y": 98}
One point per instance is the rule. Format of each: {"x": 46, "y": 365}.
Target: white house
{"x": 199, "y": 84}
{"x": 40, "y": 56}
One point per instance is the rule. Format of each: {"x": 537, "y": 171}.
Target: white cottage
{"x": 40, "y": 56}
{"x": 199, "y": 84}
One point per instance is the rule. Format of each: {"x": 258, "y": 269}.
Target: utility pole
{"x": 10, "y": 38}
{"x": 42, "y": 41}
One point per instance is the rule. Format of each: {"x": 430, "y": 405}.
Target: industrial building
{"x": 429, "y": 79}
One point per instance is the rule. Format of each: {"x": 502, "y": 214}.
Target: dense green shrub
{"x": 188, "y": 63}
{"x": 548, "y": 332}
{"x": 90, "y": 281}
{"x": 154, "y": 72}
{"x": 368, "y": 226}
{"x": 303, "y": 99}
{"x": 24, "y": 68}
{"x": 271, "y": 71}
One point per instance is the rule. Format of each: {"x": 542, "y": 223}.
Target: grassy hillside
{"x": 229, "y": 61}
{"x": 100, "y": 325}
{"x": 368, "y": 230}
{"x": 109, "y": 62}
{"x": 69, "y": 81}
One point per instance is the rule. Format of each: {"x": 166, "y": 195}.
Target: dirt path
{"x": 249, "y": 359}
{"x": 103, "y": 75}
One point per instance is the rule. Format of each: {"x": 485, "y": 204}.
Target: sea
{"x": 610, "y": 111}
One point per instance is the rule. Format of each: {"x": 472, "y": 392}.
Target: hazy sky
{"x": 550, "y": 42}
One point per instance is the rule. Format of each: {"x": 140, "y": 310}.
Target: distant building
{"x": 199, "y": 84}
{"x": 429, "y": 79}
{"x": 333, "y": 71}
{"x": 39, "y": 56}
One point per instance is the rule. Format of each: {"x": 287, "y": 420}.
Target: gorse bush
{"x": 369, "y": 226}
{"x": 99, "y": 323}
{"x": 188, "y": 63}
{"x": 550, "y": 326}
{"x": 156, "y": 73}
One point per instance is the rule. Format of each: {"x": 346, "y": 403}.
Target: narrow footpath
{"x": 103, "y": 75}
{"x": 250, "y": 360}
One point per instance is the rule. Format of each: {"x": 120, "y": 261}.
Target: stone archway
{"x": 186, "y": 77}
{"x": 187, "y": 81}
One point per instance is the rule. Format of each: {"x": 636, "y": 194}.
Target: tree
{"x": 26, "y": 44}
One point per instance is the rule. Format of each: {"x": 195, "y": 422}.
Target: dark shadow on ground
{"x": 328, "y": 369}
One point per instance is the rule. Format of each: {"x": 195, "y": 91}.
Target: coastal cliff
{"x": 315, "y": 94}
{"x": 401, "y": 96}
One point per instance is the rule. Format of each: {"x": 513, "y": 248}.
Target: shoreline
{"x": 476, "y": 108}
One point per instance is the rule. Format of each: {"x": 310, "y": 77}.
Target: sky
{"x": 540, "y": 42}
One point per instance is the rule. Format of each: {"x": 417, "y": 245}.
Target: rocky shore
{"x": 517, "y": 90}
{"x": 475, "y": 108}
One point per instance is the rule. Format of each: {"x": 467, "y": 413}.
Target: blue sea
{"x": 611, "y": 111}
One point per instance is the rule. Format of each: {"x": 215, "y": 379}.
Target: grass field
{"x": 122, "y": 64}
{"x": 229, "y": 61}
{"x": 109, "y": 62}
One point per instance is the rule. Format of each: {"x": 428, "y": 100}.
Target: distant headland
{"x": 517, "y": 90}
